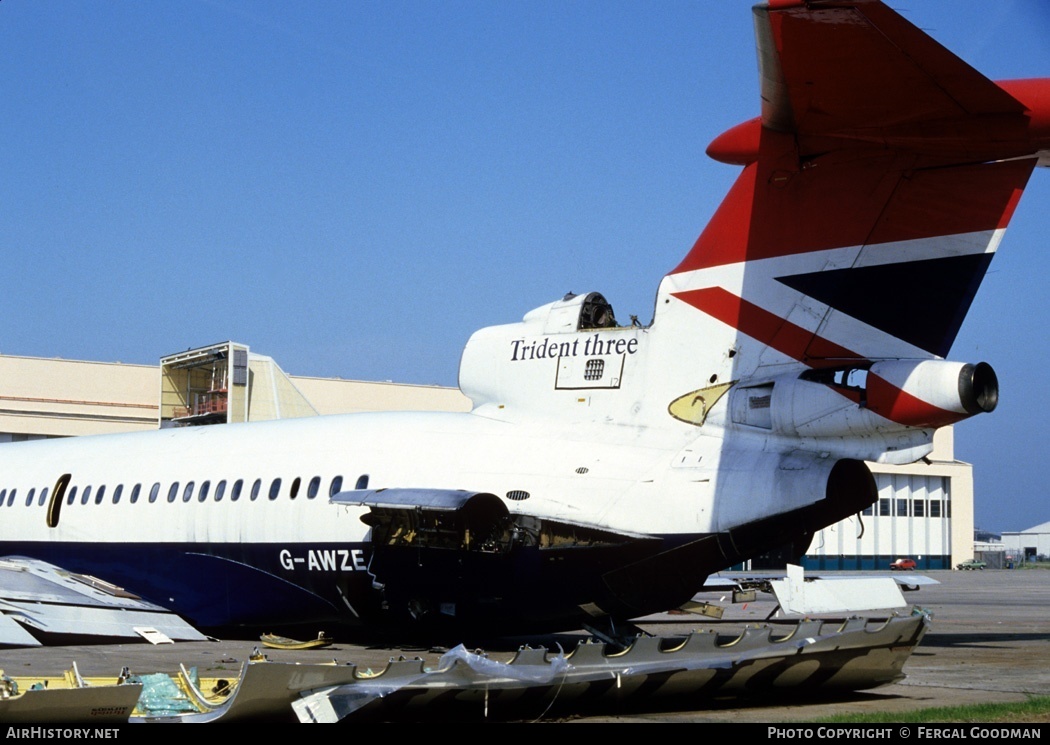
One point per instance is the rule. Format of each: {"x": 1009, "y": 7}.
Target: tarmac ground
{"x": 989, "y": 641}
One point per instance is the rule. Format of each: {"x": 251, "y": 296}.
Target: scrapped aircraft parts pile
{"x": 813, "y": 655}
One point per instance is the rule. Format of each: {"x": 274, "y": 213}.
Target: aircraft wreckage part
{"x": 41, "y": 602}
{"x": 822, "y": 656}
{"x": 209, "y": 590}
{"x": 97, "y": 705}
{"x": 447, "y": 500}
{"x": 675, "y": 574}
{"x": 796, "y": 596}
{"x": 831, "y": 657}
{"x": 817, "y": 655}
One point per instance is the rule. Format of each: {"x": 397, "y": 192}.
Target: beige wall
{"x": 58, "y": 398}
{"x": 337, "y": 396}
{"x": 53, "y": 397}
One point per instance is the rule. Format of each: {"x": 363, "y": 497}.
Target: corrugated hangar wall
{"x": 925, "y": 510}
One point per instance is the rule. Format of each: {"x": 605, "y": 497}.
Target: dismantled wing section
{"x": 877, "y": 185}
{"x": 42, "y": 603}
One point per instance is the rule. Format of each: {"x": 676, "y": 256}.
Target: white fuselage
{"x": 611, "y": 476}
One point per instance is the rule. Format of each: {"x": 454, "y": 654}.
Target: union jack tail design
{"x": 877, "y": 184}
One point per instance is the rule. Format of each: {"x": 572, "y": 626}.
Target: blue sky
{"x": 354, "y": 187}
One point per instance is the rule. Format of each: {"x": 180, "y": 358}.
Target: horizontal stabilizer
{"x": 880, "y": 72}
{"x": 858, "y": 594}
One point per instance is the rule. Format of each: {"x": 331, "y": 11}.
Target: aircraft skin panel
{"x": 12, "y": 634}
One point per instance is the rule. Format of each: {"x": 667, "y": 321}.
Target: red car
{"x": 903, "y": 564}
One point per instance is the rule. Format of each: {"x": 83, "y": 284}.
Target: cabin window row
{"x": 187, "y": 491}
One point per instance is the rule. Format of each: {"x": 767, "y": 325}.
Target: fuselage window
{"x": 43, "y": 497}
{"x": 255, "y": 489}
{"x": 220, "y": 489}
{"x": 336, "y": 487}
{"x": 3, "y": 493}
{"x": 294, "y": 491}
{"x": 135, "y": 490}
{"x": 117, "y": 492}
{"x": 153, "y": 492}
{"x": 86, "y": 495}
{"x": 235, "y": 493}
{"x": 173, "y": 491}
{"x": 187, "y": 493}
{"x": 205, "y": 488}
{"x": 275, "y": 489}
{"x": 72, "y": 495}
{"x": 314, "y": 487}
{"x": 11, "y": 497}
{"x": 99, "y": 494}
{"x": 29, "y": 499}
{"x": 362, "y": 481}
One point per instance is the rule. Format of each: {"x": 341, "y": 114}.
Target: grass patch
{"x": 1035, "y": 709}
{"x": 1034, "y": 565}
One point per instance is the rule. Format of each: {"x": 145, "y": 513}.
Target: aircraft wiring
{"x": 557, "y": 691}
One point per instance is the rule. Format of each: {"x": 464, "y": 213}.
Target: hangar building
{"x": 1029, "y": 544}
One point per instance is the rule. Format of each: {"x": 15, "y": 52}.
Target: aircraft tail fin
{"x": 877, "y": 184}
